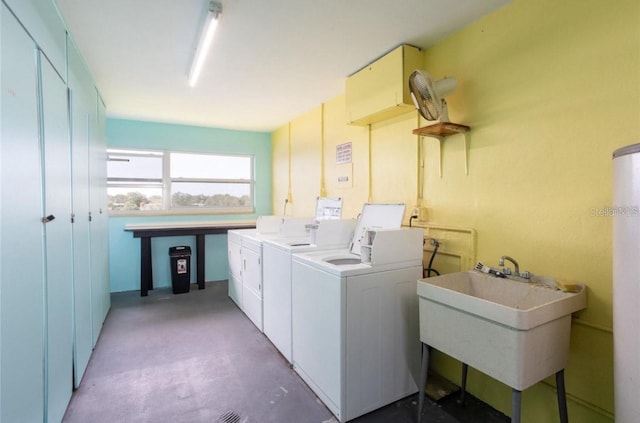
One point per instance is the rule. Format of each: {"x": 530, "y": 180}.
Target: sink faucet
{"x": 512, "y": 260}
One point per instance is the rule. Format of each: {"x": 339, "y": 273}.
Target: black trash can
{"x": 180, "y": 268}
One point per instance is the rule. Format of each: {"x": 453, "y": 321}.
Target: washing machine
{"x": 355, "y": 316}
{"x": 245, "y": 260}
{"x": 276, "y": 269}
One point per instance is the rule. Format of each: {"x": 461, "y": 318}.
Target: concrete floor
{"x": 196, "y": 357}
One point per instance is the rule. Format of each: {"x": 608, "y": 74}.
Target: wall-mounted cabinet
{"x": 46, "y": 28}
{"x": 380, "y": 90}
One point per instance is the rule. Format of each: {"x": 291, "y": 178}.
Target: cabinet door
{"x": 22, "y": 266}
{"x": 58, "y": 242}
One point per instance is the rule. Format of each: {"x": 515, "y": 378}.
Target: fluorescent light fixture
{"x": 215, "y": 9}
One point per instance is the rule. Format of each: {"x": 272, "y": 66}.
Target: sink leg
{"x": 465, "y": 369}
{"x": 562, "y": 397}
{"x": 423, "y": 379}
{"x": 516, "y": 399}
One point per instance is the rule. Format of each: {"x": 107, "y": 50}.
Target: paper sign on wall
{"x": 345, "y": 175}
{"x": 343, "y": 153}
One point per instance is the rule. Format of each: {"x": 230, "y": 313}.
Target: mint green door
{"x": 58, "y": 242}
{"x": 81, "y": 105}
{"x": 99, "y": 220}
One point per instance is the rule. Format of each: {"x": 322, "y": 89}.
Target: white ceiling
{"x": 271, "y": 60}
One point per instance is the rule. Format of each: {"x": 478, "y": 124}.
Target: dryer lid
{"x": 376, "y": 216}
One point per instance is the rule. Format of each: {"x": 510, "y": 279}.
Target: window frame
{"x": 165, "y": 184}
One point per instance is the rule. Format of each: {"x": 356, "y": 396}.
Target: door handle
{"x": 48, "y": 219}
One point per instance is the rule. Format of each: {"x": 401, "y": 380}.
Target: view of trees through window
{"x": 134, "y": 200}
{"x": 145, "y": 181}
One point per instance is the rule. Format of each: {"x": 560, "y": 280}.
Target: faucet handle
{"x": 526, "y": 275}
{"x": 506, "y": 270}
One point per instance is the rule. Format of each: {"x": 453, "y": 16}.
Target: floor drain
{"x": 229, "y": 417}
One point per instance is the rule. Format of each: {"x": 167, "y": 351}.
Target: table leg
{"x": 146, "y": 276}
{"x": 200, "y": 260}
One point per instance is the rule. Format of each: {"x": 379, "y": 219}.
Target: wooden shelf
{"x": 442, "y": 129}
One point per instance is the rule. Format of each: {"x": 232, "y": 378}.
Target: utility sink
{"x": 516, "y": 332}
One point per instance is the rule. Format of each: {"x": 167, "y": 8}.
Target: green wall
{"x": 125, "y": 250}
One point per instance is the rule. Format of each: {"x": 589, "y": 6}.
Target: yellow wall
{"x": 549, "y": 89}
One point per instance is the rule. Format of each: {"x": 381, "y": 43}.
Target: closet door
{"x": 98, "y": 225}
{"x": 22, "y": 267}
{"x": 58, "y": 241}
{"x": 103, "y": 214}
{"x": 80, "y": 105}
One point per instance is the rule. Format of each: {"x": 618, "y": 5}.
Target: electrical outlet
{"x": 422, "y": 214}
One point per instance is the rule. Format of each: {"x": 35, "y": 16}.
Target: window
{"x": 177, "y": 182}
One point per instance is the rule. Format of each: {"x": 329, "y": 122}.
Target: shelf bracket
{"x": 440, "y": 140}
{"x": 466, "y": 154}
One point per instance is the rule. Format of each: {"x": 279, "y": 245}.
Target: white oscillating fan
{"x": 428, "y": 95}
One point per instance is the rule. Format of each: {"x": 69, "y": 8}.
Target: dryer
{"x": 245, "y": 260}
